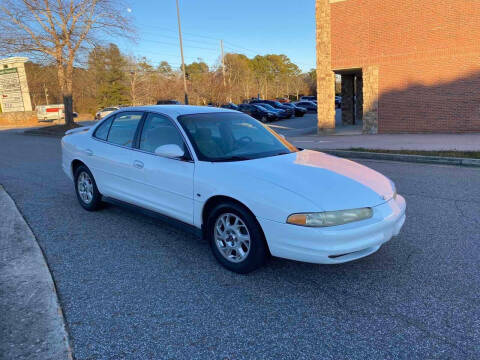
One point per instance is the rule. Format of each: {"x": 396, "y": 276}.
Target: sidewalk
{"x": 461, "y": 142}
{"x": 31, "y": 321}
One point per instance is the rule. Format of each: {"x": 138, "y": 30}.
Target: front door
{"x": 168, "y": 182}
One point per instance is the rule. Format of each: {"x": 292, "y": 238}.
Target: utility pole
{"x": 46, "y": 93}
{"x": 181, "y": 53}
{"x": 223, "y": 71}
{"x": 223, "y": 64}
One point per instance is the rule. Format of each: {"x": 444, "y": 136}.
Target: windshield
{"x": 225, "y": 136}
{"x": 256, "y": 106}
{"x": 266, "y": 106}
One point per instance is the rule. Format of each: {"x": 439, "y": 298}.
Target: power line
{"x": 172, "y": 44}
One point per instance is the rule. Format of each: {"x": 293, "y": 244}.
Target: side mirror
{"x": 170, "y": 150}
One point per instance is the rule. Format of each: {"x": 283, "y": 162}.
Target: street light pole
{"x": 181, "y": 53}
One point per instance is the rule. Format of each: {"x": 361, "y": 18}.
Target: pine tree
{"x": 109, "y": 66}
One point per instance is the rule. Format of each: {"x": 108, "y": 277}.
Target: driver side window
{"x": 157, "y": 131}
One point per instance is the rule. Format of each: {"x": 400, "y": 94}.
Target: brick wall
{"x": 18, "y": 119}
{"x": 428, "y": 59}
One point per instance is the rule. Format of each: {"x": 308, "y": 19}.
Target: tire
{"x": 227, "y": 246}
{"x": 86, "y": 189}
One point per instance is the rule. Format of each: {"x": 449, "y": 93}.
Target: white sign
{"x": 10, "y": 91}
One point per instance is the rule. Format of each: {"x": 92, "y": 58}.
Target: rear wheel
{"x": 86, "y": 188}
{"x": 236, "y": 238}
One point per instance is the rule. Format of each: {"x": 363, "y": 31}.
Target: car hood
{"x": 329, "y": 182}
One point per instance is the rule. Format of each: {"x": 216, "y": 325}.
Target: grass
{"x": 441, "y": 153}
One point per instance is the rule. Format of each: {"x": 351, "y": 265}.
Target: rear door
{"x": 168, "y": 186}
{"x": 111, "y": 156}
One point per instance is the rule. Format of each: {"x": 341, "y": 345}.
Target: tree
{"x": 195, "y": 68}
{"x": 165, "y": 69}
{"x": 110, "y": 69}
{"x": 59, "y": 30}
{"x": 239, "y": 76}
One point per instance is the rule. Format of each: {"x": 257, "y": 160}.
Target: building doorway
{"x": 349, "y": 115}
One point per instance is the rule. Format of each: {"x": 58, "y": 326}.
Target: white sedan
{"x": 104, "y": 112}
{"x": 245, "y": 188}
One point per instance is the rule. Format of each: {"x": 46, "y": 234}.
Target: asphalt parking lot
{"x": 132, "y": 287}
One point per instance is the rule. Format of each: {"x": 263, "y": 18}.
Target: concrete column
{"x": 359, "y": 98}
{"x": 325, "y": 75}
{"x": 370, "y": 100}
{"x": 347, "y": 99}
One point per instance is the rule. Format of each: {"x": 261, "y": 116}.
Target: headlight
{"x": 330, "y": 218}
{"x": 394, "y": 189}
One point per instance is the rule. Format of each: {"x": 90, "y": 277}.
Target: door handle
{"x": 138, "y": 164}
{"x": 88, "y": 152}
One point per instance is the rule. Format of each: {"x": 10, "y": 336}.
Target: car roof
{"x": 177, "y": 110}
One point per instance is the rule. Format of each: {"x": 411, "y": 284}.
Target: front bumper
{"x": 336, "y": 244}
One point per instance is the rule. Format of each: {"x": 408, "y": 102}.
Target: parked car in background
{"x": 258, "y": 112}
{"x": 309, "y": 105}
{"x": 104, "y": 112}
{"x": 230, "y": 106}
{"x": 308, "y": 98}
{"x": 247, "y": 190}
{"x": 338, "y": 101}
{"x": 281, "y": 113}
{"x": 276, "y": 105}
{"x": 283, "y": 100}
{"x": 168, "y": 102}
{"x": 299, "y": 111}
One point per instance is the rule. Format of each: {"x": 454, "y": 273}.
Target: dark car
{"x": 168, "y": 102}
{"x": 299, "y": 111}
{"x": 281, "y": 113}
{"x": 257, "y": 112}
{"x": 230, "y": 106}
{"x": 309, "y": 105}
{"x": 275, "y": 104}
{"x": 308, "y": 98}
{"x": 338, "y": 101}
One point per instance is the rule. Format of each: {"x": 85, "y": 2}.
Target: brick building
{"x": 409, "y": 66}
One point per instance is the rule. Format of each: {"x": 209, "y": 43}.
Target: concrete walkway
{"x": 31, "y": 321}
{"x": 462, "y": 142}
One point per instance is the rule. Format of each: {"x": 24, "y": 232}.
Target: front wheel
{"x": 236, "y": 238}
{"x": 86, "y": 188}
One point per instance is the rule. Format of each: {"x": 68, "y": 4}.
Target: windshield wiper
{"x": 232, "y": 158}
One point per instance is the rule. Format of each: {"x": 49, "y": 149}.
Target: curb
{"x": 32, "y": 324}
{"x": 405, "y": 158}
{"x": 36, "y": 132}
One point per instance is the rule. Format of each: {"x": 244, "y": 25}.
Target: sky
{"x": 246, "y": 26}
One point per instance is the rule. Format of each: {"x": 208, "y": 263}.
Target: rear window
{"x": 102, "y": 131}
{"x": 124, "y": 126}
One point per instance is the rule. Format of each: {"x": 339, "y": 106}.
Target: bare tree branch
{"x": 60, "y": 30}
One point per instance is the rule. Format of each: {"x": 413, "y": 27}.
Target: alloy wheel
{"x": 232, "y": 237}
{"x": 85, "y": 187}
